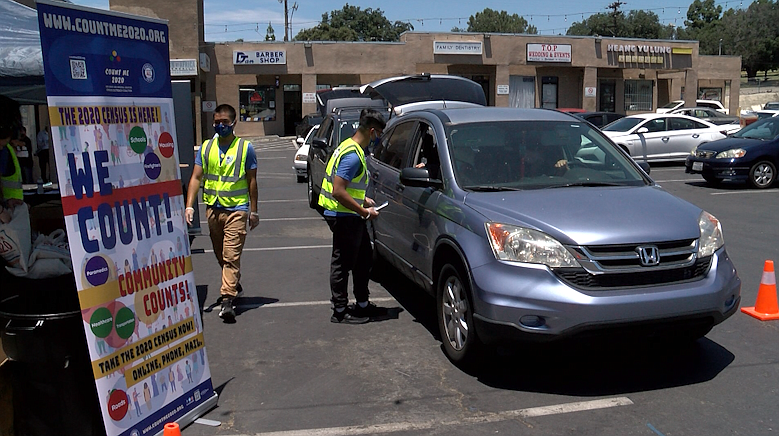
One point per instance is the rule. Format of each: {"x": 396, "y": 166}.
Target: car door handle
{"x": 665, "y": 138}
{"x": 375, "y": 175}
{"x": 695, "y": 135}
{"x": 400, "y": 187}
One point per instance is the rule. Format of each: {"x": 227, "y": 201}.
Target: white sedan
{"x": 300, "y": 163}
{"x": 662, "y": 137}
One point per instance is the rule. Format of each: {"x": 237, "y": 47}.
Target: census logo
{"x": 147, "y": 72}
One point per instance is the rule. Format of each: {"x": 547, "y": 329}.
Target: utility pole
{"x": 286, "y": 20}
{"x": 615, "y": 8}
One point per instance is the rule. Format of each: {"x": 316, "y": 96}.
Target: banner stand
{"x": 195, "y": 413}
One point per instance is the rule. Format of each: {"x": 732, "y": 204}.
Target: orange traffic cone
{"x": 766, "y": 308}
{"x": 172, "y": 429}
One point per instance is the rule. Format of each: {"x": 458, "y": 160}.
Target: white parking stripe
{"x": 300, "y": 247}
{"x": 313, "y": 303}
{"x": 480, "y": 419}
{"x": 282, "y": 219}
{"x": 772, "y": 191}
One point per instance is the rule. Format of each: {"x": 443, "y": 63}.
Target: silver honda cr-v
{"x": 530, "y": 224}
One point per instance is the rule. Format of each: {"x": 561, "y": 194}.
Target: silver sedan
{"x": 662, "y": 137}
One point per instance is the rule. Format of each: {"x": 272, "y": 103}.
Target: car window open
{"x": 394, "y": 146}
{"x": 503, "y": 155}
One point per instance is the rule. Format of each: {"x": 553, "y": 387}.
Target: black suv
{"x": 343, "y": 116}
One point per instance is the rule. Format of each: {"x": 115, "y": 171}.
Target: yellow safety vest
{"x": 357, "y": 186}
{"x": 225, "y": 178}
{"x": 12, "y": 185}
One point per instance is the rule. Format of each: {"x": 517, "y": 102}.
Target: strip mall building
{"x": 273, "y": 84}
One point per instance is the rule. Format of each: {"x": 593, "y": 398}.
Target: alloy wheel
{"x": 762, "y": 174}
{"x": 454, "y": 307}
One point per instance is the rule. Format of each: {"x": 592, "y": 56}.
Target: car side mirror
{"x": 419, "y": 178}
{"x": 642, "y": 130}
{"x": 319, "y": 143}
{"x": 644, "y": 166}
{"x": 300, "y": 141}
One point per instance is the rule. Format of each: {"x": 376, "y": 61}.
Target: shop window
{"x": 638, "y": 95}
{"x": 292, "y": 88}
{"x": 710, "y": 94}
{"x": 258, "y": 103}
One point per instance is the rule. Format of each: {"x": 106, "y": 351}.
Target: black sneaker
{"x": 228, "y": 310}
{"x": 345, "y": 317}
{"x": 369, "y": 311}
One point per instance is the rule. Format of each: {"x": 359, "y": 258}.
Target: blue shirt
{"x": 250, "y": 164}
{"x": 348, "y": 168}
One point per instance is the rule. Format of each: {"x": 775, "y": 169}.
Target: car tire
{"x": 762, "y": 174}
{"x": 713, "y": 181}
{"x": 460, "y": 341}
{"x": 313, "y": 197}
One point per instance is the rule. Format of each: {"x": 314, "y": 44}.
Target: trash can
{"x": 43, "y": 335}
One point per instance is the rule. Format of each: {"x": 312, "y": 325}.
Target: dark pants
{"x": 351, "y": 252}
{"x": 43, "y": 163}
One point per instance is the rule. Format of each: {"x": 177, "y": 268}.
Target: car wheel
{"x": 313, "y": 198}
{"x": 711, "y": 180}
{"x": 762, "y": 174}
{"x": 455, "y": 317}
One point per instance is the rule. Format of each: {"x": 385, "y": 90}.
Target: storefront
{"x": 273, "y": 84}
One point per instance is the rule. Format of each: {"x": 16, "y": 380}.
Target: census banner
{"x": 113, "y": 132}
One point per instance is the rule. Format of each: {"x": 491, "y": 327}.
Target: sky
{"x": 248, "y": 19}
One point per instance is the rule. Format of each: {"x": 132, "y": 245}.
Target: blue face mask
{"x": 223, "y": 130}
{"x": 375, "y": 142}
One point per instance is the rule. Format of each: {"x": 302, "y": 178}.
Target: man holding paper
{"x": 347, "y": 210}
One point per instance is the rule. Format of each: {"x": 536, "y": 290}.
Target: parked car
{"x": 340, "y": 123}
{"x": 304, "y": 126}
{"x": 533, "y": 225}
{"x": 751, "y": 155}
{"x": 771, "y": 105}
{"x": 599, "y": 119}
{"x": 708, "y": 114}
{"x": 676, "y": 104}
{"x": 300, "y": 161}
{"x": 662, "y": 137}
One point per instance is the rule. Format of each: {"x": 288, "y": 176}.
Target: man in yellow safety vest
{"x": 11, "y": 193}
{"x": 229, "y": 166}
{"x": 346, "y": 211}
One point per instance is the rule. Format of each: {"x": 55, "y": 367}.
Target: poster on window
{"x": 113, "y": 133}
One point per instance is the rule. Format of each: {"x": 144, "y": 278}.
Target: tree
{"x": 270, "y": 34}
{"x": 354, "y": 24}
{"x": 701, "y": 14}
{"x": 637, "y": 24}
{"x": 753, "y": 34}
{"x": 489, "y": 21}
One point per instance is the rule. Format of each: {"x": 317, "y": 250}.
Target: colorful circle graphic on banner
{"x": 101, "y": 322}
{"x": 96, "y": 271}
{"x": 151, "y": 302}
{"x": 165, "y": 144}
{"x": 152, "y": 166}
{"x": 117, "y": 404}
{"x": 148, "y": 73}
{"x": 137, "y": 139}
{"x": 125, "y": 323}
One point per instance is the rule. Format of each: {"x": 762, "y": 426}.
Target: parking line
{"x": 773, "y": 191}
{"x": 479, "y": 419}
{"x": 313, "y": 303}
{"x": 262, "y": 220}
{"x": 299, "y": 247}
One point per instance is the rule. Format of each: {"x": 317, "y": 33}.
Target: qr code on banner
{"x": 78, "y": 69}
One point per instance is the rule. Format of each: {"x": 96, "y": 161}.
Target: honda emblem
{"x": 649, "y": 255}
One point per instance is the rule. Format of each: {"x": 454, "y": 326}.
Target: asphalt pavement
{"x": 284, "y": 370}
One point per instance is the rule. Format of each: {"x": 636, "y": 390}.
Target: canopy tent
{"x": 21, "y": 61}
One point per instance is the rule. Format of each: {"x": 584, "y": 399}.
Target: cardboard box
{"x": 6, "y": 405}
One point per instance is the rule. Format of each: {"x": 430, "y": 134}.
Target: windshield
{"x": 510, "y": 155}
{"x": 762, "y": 129}
{"x": 623, "y": 124}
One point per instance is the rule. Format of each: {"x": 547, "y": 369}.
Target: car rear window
{"x": 623, "y": 124}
